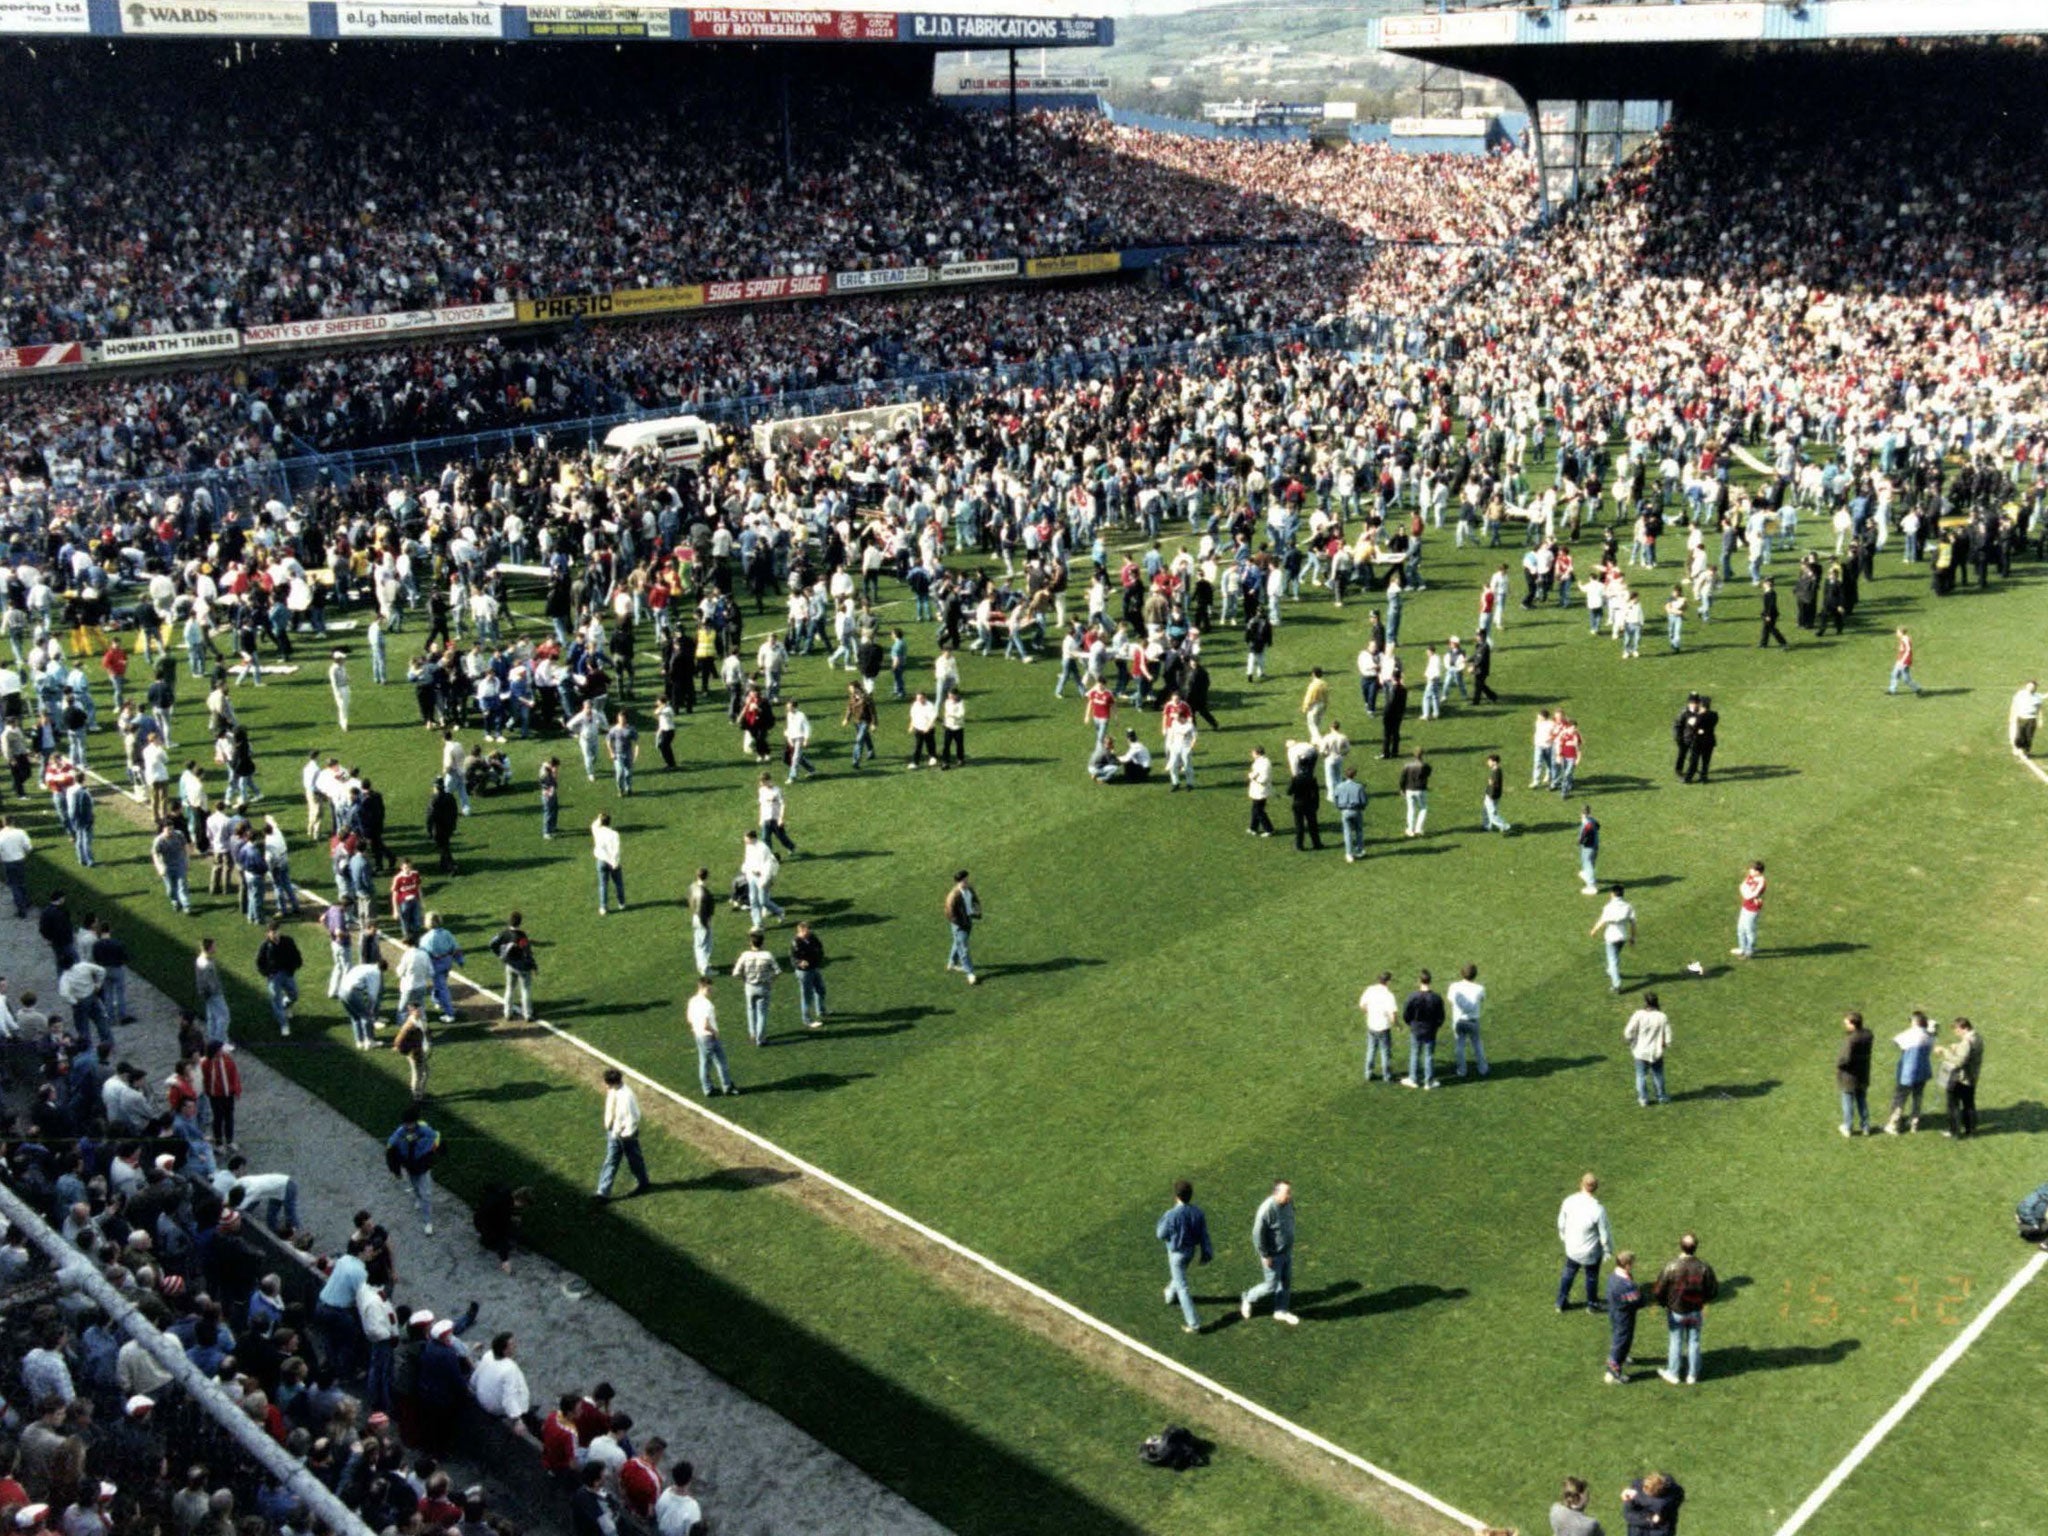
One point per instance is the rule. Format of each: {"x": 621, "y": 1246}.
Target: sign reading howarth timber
{"x": 128, "y": 349}
{"x": 978, "y": 271}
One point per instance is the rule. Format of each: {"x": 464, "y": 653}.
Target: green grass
{"x": 1164, "y": 997}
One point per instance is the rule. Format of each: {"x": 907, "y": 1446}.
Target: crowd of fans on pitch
{"x": 321, "y": 1344}
{"x": 1701, "y": 306}
{"x": 141, "y": 205}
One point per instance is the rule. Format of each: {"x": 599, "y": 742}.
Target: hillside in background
{"x": 1267, "y": 49}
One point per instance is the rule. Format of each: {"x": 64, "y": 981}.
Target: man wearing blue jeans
{"x": 410, "y": 1153}
{"x": 621, "y": 1137}
{"x": 757, "y": 970}
{"x": 703, "y": 1016}
{"x": 1185, "y": 1231}
{"x": 1648, "y": 1035}
{"x": 807, "y": 959}
{"x": 1587, "y": 1238}
{"x": 1617, "y": 926}
{"x": 962, "y": 908}
{"x": 1273, "y": 1238}
{"x": 1685, "y": 1287}
{"x": 1423, "y": 1013}
{"x": 1589, "y": 851}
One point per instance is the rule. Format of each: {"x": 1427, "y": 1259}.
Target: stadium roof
{"x": 962, "y": 24}
{"x": 1641, "y": 51}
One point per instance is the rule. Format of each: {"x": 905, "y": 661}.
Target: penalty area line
{"x": 1036, "y": 1292}
{"x": 1920, "y": 1388}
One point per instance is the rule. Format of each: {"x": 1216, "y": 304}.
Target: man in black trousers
{"x": 1482, "y": 668}
{"x": 1305, "y": 794}
{"x": 1394, "y": 709}
{"x": 1705, "y": 728}
{"x": 1770, "y": 614}
{"x": 1681, "y": 733}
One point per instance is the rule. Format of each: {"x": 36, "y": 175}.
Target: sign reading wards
{"x": 974, "y": 31}
{"x": 717, "y": 24}
{"x": 230, "y": 18}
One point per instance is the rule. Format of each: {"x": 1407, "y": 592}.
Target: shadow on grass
{"x": 1541, "y": 1066}
{"x": 1752, "y": 771}
{"x": 582, "y": 1010}
{"x": 842, "y": 854}
{"x": 1040, "y": 967}
{"x": 806, "y": 1082}
{"x": 1322, "y": 1306}
{"x": 1743, "y": 1359}
{"x": 1648, "y": 882}
{"x": 731, "y": 1180}
{"x": 1610, "y": 784}
{"x": 1728, "y": 1091}
{"x": 1661, "y": 978}
{"x": 2028, "y": 1117}
{"x": 516, "y": 1092}
{"x": 1831, "y": 947}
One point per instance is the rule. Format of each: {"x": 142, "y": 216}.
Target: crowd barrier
{"x": 284, "y": 479}
{"x": 74, "y": 359}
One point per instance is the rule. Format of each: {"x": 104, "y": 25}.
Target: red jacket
{"x": 221, "y": 1077}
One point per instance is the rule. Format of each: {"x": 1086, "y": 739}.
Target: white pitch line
{"x": 1009, "y": 1277}
{"x": 1884, "y": 1426}
{"x": 2032, "y": 767}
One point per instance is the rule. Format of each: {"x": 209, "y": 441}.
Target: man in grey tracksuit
{"x": 1273, "y": 1238}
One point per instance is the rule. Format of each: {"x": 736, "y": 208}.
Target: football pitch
{"x": 1163, "y": 996}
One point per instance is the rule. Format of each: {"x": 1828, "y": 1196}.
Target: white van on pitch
{"x": 677, "y": 439}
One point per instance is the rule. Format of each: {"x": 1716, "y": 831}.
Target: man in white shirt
{"x": 1617, "y": 926}
{"x": 621, "y": 1140}
{"x": 1466, "y": 997}
{"x": 2022, "y": 720}
{"x": 703, "y": 1016}
{"x": 1582, "y": 1228}
{"x": 14, "y": 851}
{"x": 759, "y": 867}
{"x": 676, "y": 1513}
{"x": 1648, "y": 1033}
{"x": 773, "y": 810}
{"x": 796, "y": 734}
{"x": 604, "y": 848}
{"x": 499, "y": 1386}
{"x": 1381, "y": 1008}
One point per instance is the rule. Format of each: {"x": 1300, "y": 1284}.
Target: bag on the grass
{"x": 1173, "y": 1447}
{"x": 2032, "y": 1216}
